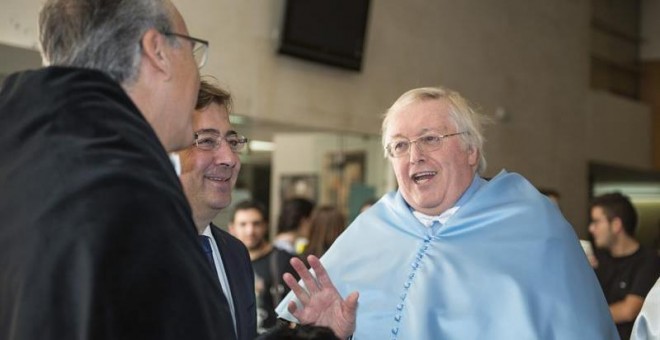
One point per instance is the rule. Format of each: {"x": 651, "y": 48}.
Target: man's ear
{"x": 617, "y": 225}
{"x": 155, "y": 51}
{"x": 473, "y": 156}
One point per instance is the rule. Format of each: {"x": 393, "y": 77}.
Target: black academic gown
{"x": 96, "y": 236}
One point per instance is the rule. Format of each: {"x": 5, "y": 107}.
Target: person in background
{"x": 367, "y": 204}
{"x": 552, "y": 194}
{"x": 209, "y": 170}
{"x": 325, "y": 225}
{"x": 450, "y": 255}
{"x": 656, "y": 240}
{"x": 626, "y": 270}
{"x": 97, "y": 240}
{"x": 248, "y": 223}
{"x": 293, "y": 225}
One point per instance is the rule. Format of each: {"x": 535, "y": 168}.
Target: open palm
{"x": 321, "y": 303}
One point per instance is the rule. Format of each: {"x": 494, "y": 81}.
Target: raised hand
{"x": 321, "y": 303}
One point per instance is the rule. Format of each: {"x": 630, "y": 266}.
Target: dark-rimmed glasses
{"x": 200, "y": 47}
{"x": 430, "y": 142}
{"x": 210, "y": 140}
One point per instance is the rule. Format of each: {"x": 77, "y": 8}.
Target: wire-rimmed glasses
{"x": 211, "y": 140}
{"x": 430, "y": 142}
{"x": 200, "y": 47}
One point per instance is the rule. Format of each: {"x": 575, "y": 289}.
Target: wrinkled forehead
{"x": 419, "y": 117}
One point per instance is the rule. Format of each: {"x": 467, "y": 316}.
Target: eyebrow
{"x": 423, "y": 132}
{"x": 217, "y": 132}
{"x": 207, "y": 131}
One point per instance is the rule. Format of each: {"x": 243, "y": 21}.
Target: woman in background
{"x": 293, "y": 225}
{"x": 326, "y": 224}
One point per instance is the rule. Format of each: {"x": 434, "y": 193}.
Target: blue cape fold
{"x": 507, "y": 265}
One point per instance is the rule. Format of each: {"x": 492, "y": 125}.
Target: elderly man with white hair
{"x": 450, "y": 255}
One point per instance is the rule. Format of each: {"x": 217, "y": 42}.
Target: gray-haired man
{"x": 97, "y": 240}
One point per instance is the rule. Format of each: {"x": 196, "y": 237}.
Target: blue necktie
{"x": 208, "y": 251}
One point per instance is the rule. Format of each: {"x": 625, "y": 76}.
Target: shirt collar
{"x": 428, "y": 220}
{"x": 176, "y": 162}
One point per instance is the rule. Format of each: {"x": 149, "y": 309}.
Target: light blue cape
{"x": 507, "y": 265}
{"x": 647, "y": 325}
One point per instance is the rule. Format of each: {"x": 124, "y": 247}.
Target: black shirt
{"x": 633, "y": 274}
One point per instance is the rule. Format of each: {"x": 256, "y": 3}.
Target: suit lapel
{"x": 231, "y": 270}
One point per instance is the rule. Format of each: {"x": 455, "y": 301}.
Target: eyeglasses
{"x": 209, "y": 140}
{"x": 200, "y": 47}
{"x": 401, "y": 146}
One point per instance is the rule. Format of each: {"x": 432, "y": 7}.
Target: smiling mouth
{"x": 423, "y": 176}
{"x": 219, "y": 178}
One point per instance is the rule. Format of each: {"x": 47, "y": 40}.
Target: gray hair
{"x": 100, "y": 34}
{"x": 462, "y": 115}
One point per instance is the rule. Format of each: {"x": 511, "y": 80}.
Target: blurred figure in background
{"x": 326, "y": 224}
{"x": 656, "y": 241}
{"x": 367, "y": 204}
{"x": 248, "y": 223}
{"x": 552, "y": 194}
{"x": 626, "y": 270}
{"x": 293, "y": 225}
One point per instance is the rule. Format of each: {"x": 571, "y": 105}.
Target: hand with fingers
{"x": 321, "y": 303}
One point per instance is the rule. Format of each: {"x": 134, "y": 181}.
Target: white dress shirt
{"x": 222, "y": 275}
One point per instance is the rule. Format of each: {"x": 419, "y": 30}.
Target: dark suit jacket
{"x": 240, "y": 275}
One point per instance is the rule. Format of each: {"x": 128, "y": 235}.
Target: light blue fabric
{"x": 647, "y": 325}
{"x": 507, "y": 265}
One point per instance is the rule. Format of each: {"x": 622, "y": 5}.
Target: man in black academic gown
{"x": 97, "y": 240}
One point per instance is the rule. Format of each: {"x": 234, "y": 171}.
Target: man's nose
{"x": 252, "y": 229}
{"x": 224, "y": 155}
{"x": 415, "y": 153}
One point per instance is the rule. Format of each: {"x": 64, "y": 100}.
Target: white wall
{"x": 18, "y": 22}
{"x": 614, "y": 124}
{"x": 17, "y": 58}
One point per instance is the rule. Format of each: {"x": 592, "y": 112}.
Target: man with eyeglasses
{"x": 209, "y": 169}
{"x": 625, "y": 269}
{"x": 249, "y": 224}
{"x": 97, "y": 239}
{"x": 450, "y": 255}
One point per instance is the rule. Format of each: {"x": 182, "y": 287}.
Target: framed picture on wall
{"x": 299, "y": 185}
{"x": 340, "y": 171}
